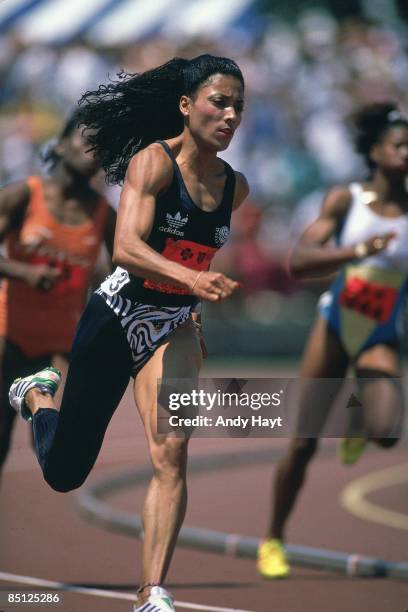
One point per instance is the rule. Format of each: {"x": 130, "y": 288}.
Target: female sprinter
{"x": 52, "y": 231}
{"x": 161, "y": 132}
{"x": 359, "y": 318}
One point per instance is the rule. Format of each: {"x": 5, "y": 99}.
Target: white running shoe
{"x": 47, "y": 380}
{"x": 159, "y": 600}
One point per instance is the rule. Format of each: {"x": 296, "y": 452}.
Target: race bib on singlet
{"x": 372, "y": 300}
{"x": 189, "y": 254}
{"x": 115, "y": 281}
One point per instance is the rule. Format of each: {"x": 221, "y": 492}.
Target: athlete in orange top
{"x": 52, "y": 231}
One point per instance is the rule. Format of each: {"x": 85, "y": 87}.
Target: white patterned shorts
{"x": 146, "y": 326}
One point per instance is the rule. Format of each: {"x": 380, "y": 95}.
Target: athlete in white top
{"x": 365, "y": 304}
{"x": 359, "y": 322}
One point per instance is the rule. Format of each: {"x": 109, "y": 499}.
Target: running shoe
{"x": 351, "y": 449}
{"x": 47, "y": 381}
{"x": 159, "y": 600}
{"x": 272, "y": 560}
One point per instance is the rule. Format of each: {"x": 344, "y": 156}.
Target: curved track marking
{"x": 93, "y": 507}
{"x": 353, "y": 496}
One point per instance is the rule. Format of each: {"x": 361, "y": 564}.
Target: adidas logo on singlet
{"x": 175, "y": 223}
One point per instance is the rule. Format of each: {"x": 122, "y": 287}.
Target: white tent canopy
{"x": 205, "y": 17}
{"x": 133, "y": 19}
{"x": 8, "y": 8}
{"x": 57, "y": 20}
{"x": 112, "y": 22}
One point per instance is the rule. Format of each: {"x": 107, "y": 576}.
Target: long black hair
{"x": 127, "y": 115}
{"x": 370, "y": 124}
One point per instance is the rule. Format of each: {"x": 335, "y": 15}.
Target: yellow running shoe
{"x": 351, "y": 449}
{"x": 272, "y": 561}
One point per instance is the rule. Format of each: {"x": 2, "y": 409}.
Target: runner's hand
{"x": 41, "y": 276}
{"x": 374, "y": 245}
{"x": 213, "y": 286}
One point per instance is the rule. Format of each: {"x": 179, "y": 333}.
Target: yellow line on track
{"x": 353, "y": 496}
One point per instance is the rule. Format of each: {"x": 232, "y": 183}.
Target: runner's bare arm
{"x": 311, "y": 258}
{"x": 149, "y": 174}
{"x": 13, "y": 204}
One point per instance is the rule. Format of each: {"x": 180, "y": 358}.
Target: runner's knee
{"x": 64, "y": 482}
{"x": 169, "y": 458}
{"x": 383, "y": 404}
{"x": 386, "y": 442}
{"x": 384, "y": 433}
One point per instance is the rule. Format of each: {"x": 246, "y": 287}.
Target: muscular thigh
{"x": 324, "y": 358}
{"x": 378, "y": 372}
{"x": 179, "y": 357}
{"x": 380, "y": 357}
{"x": 324, "y": 355}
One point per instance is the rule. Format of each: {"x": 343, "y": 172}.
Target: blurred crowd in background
{"x": 303, "y": 78}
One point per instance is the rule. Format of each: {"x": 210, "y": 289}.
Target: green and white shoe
{"x": 47, "y": 380}
{"x": 160, "y": 600}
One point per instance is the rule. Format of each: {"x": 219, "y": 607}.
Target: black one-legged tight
{"x": 68, "y": 442}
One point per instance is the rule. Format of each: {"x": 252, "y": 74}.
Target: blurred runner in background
{"x": 52, "y": 230}
{"x": 360, "y": 317}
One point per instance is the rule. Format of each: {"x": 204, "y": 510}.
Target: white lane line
{"x": 353, "y": 497}
{"x": 50, "y": 584}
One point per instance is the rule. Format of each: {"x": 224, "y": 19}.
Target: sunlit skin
{"x": 388, "y": 180}
{"x": 75, "y": 154}
{"x": 211, "y": 116}
{"x": 215, "y": 112}
{"x": 325, "y": 355}
{"x": 391, "y": 153}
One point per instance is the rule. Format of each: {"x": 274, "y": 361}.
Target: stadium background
{"x": 307, "y": 66}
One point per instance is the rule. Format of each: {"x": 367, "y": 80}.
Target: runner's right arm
{"x": 13, "y": 204}
{"x": 312, "y": 258}
{"x": 149, "y": 174}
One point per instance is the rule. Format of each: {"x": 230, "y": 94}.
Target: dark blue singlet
{"x": 184, "y": 233}
{"x": 181, "y": 232}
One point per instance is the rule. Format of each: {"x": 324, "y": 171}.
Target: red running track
{"x": 42, "y": 534}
